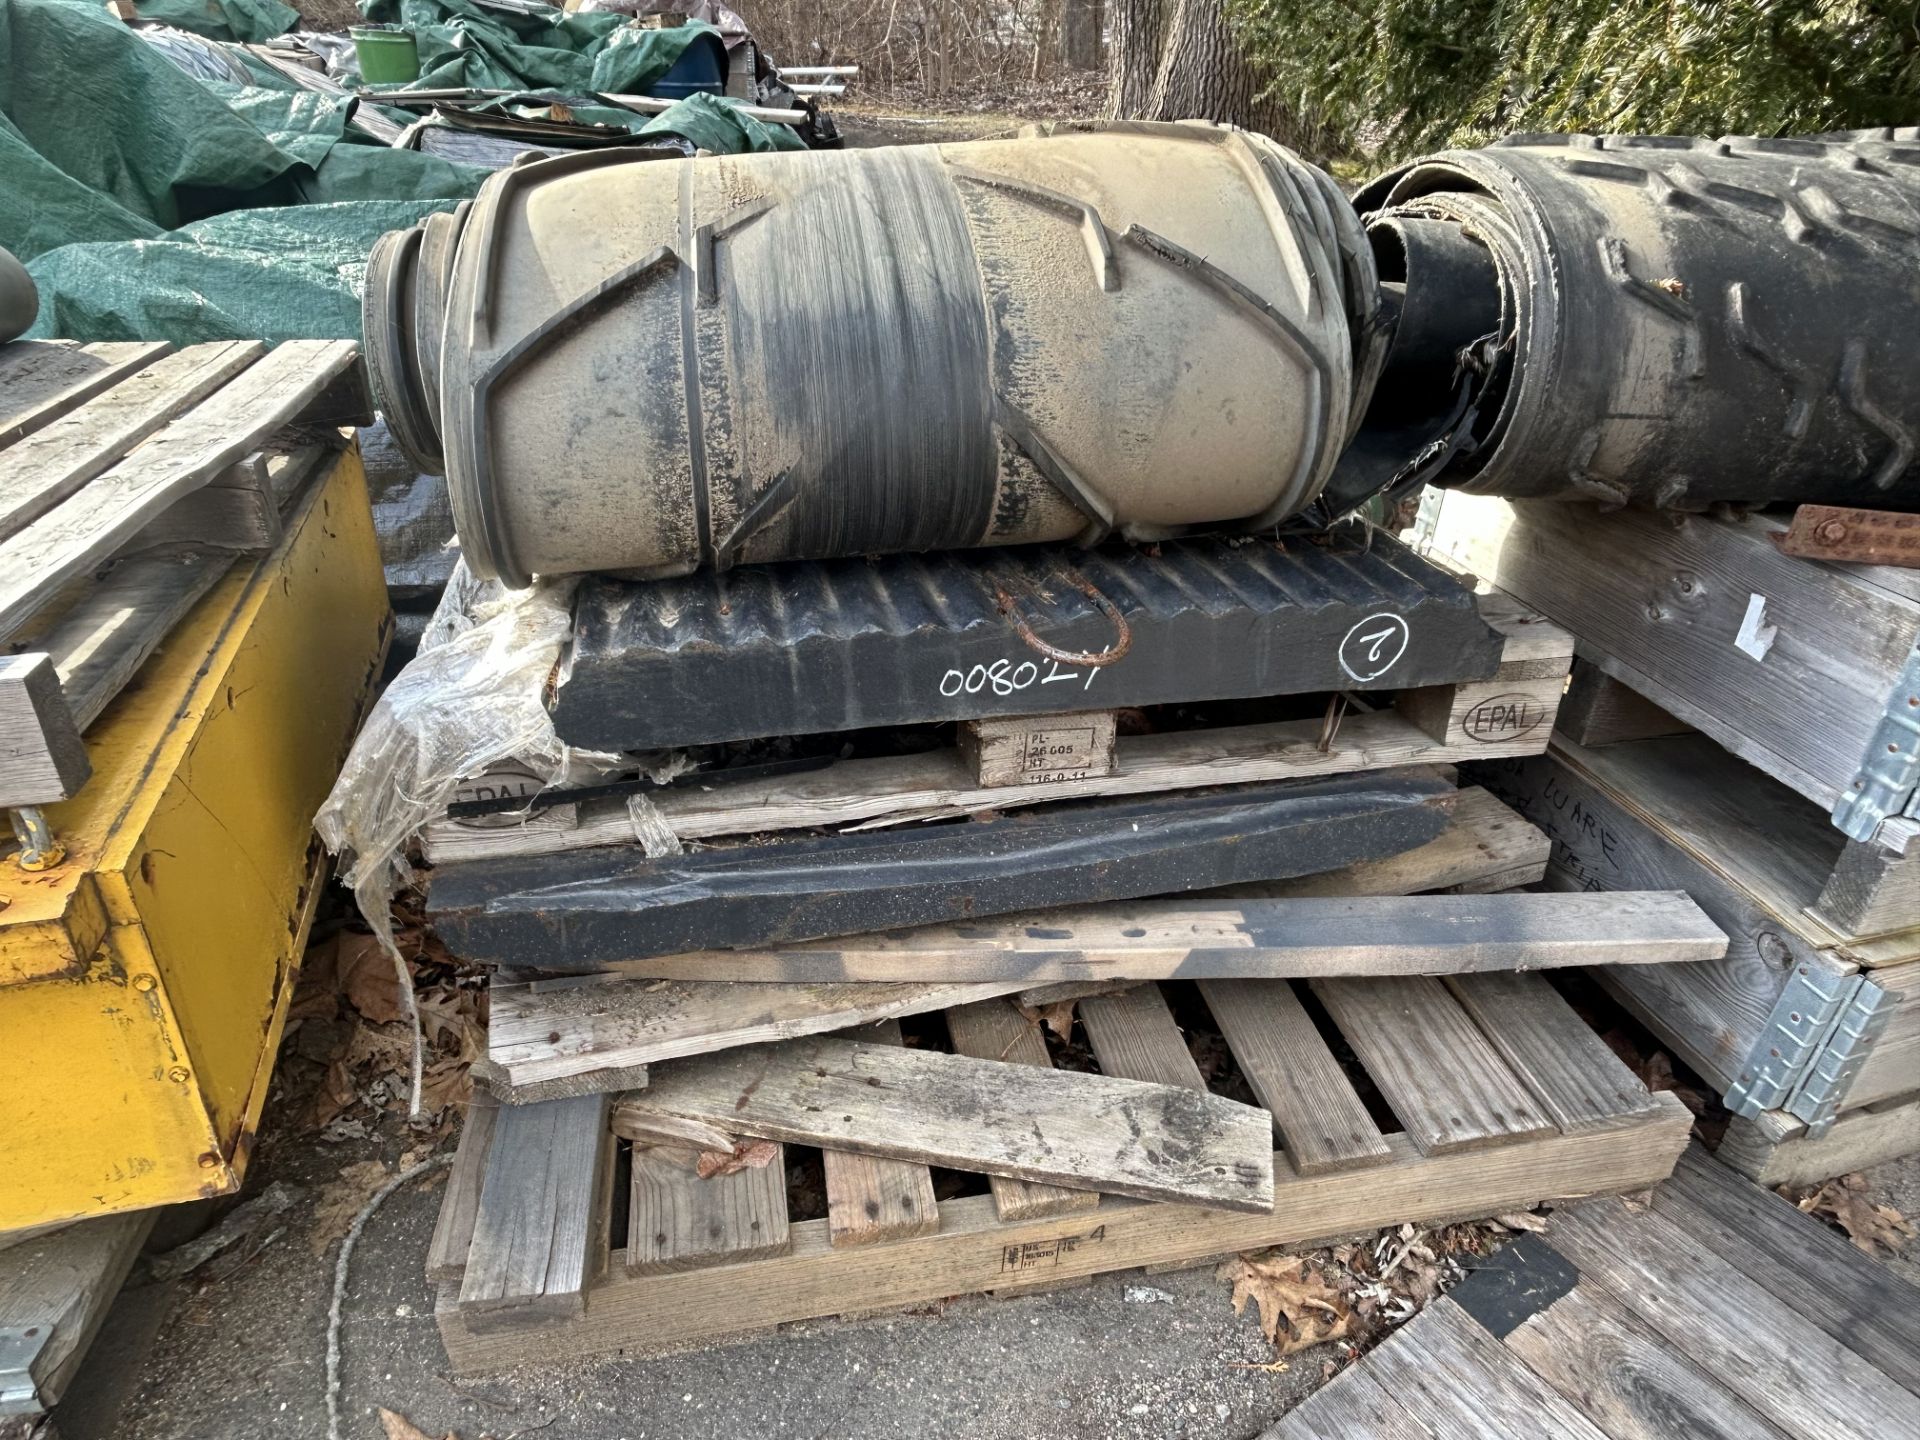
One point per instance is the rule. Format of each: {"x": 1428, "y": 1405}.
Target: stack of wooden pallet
{"x": 192, "y": 603}
{"x": 1740, "y": 725}
{"x": 656, "y": 1105}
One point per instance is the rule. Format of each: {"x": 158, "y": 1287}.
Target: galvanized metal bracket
{"x": 1803, "y": 1017}
{"x": 1856, "y": 1025}
{"x": 20, "y": 1349}
{"x": 1891, "y": 765}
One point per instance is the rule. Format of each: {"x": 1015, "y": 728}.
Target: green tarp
{"x": 465, "y": 44}
{"x": 250, "y": 21}
{"x": 151, "y": 204}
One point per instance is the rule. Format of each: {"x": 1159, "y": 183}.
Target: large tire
{"x": 1691, "y": 321}
{"x": 19, "y": 299}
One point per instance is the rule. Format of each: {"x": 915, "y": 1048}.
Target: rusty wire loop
{"x": 1123, "y": 633}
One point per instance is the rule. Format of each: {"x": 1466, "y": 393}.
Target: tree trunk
{"x": 1081, "y": 24}
{"x": 1133, "y": 56}
{"x": 1204, "y": 75}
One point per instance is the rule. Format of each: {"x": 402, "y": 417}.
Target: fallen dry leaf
{"x": 398, "y": 1427}
{"x": 1523, "y": 1220}
{"x": 1298, "y": 1307}
{"x": 1870, "y": 1226}
{"x": 367, "y": 976}
{"x": 341, "y": 1199}
{"x": 745, "y": 1155}
{"x": 1057, "y": 1017}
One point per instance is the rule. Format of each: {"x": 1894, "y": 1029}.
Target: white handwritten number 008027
{"x": 1006, "y": 678}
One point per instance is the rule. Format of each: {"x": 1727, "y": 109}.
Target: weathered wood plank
{"x": 1625, "y": 1378}
{"x": 1247, "y": 939}
{"x": 41, "y": 470}
{"x": 1054, "y": 1126}
{"x": 1445, "y": 1082}
{"x": 1571, "y": 1071}
{"x": 1799, "y": 1261}
{"x": 1775, "y": 1149}
{"x": 1659, "y": 600}
{"x": 1871, "y": 891}
{"x": 1134, "y": 1036}
{"x": 995, "y": 1030}
{"x": 974, "y": 1251}
{"x": 540, "y": 1211}
{"x": 1444, "y": 1367}
{"x": 604, "y": 1030}
{"x": 678, "y": 1221}
{"x": 1322, "y": 1121}
{"x": 42, "y": 757}
{"x": 870, "y": 1199}
{"x": 1780, "y": 1364}
{"x": 1351, "y": 1406}
{"x": 42, "y": 380}
{"x": 117, "y": 504}
{"x": 460, "y": 1205}
{"x": 66, "y": 1282}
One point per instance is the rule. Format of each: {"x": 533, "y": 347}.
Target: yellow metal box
{"x": 144, "y": 980}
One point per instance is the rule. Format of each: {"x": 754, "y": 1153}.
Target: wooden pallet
{"x": 1510, "y": 714}
{"x": 164, "y": 463}
{"x": 1720, "y": 1310}
{"x": 1789, "y": 663}
{"x": 1495, "y": 1095}
{"x": 1806, "y": 1015}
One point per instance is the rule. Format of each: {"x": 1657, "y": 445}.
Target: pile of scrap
{"x": 194, "y": 617}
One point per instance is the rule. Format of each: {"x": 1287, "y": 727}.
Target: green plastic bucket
{"x": 387, "y": 56}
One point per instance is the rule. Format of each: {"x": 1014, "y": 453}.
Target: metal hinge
{"x": 1816, "y": 1098}
{"x": 1885, "y": 782}
{"x": 1809, "y": 1004}
{"x": 20, "y": 1349}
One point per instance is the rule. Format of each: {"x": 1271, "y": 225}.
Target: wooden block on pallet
{"x": 1599, "y": 710}
{"x": 680, "y": 1220}
{"x": 869, "y": 1198}
{"x": 1039, "y": 749}
{"x": 237, "y": 509}
{"x": 42, "y": 757}
{"x": 538, "y": 1236}
{"x": 1088, "y": 1131}
{"x": 995, "y": 1030}
{"x": 1775, "y": 1149}
{"x": 1444, "y": 1080}
{"x": 1322, "y": 1121}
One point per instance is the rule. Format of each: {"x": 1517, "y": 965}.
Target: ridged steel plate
{"x": 841, "y": 645}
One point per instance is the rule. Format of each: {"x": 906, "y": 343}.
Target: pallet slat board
{"x": 679, "y": 1220}
{"x": 970, "y": 1247}
{"x": 1617, "y": 1324}
{"x": 1252, "y": 939}
{"x": 40, "y": 381}
{"x": 870, "y": 1198}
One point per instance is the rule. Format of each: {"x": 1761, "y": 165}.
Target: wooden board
{"x": 542, "y": 1205}
{"x": 117, "y": 505}
{"x": 1780, "y": 1364}
{"x": 42, "y": 380}
{"x": 460, "y": 1207}
{"x": 1054, "y": 1126}
{"x": 1038, "y": 749}
{"x": 1659, "y": 600}
{"x": 1632, "y": 1383}
{"x": 1571, "y": 1071}
{"x": 42, "y": 758}
{"x": 1351, "y": 1406}
{"x": 38, "y": 472}
{"x": 679, "y": 1221}
{"x": 1445, "y": 1082}
{"x": 1775, "y": 1149}
{"x": 64, "y": 1283}
{"x": 596, "y": 1033}
{"x": 974, "y": 1251}
{"x": 1802, "y": 1263}
{"x": 1263, "y": 939}
{"x": 1134, "y": 1036}
{"x": 870, "y": 1199}
{"x": 1599, "y": 710}
{"x": 1322, "y": 1121}
{"x": 995, "y": 1030}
